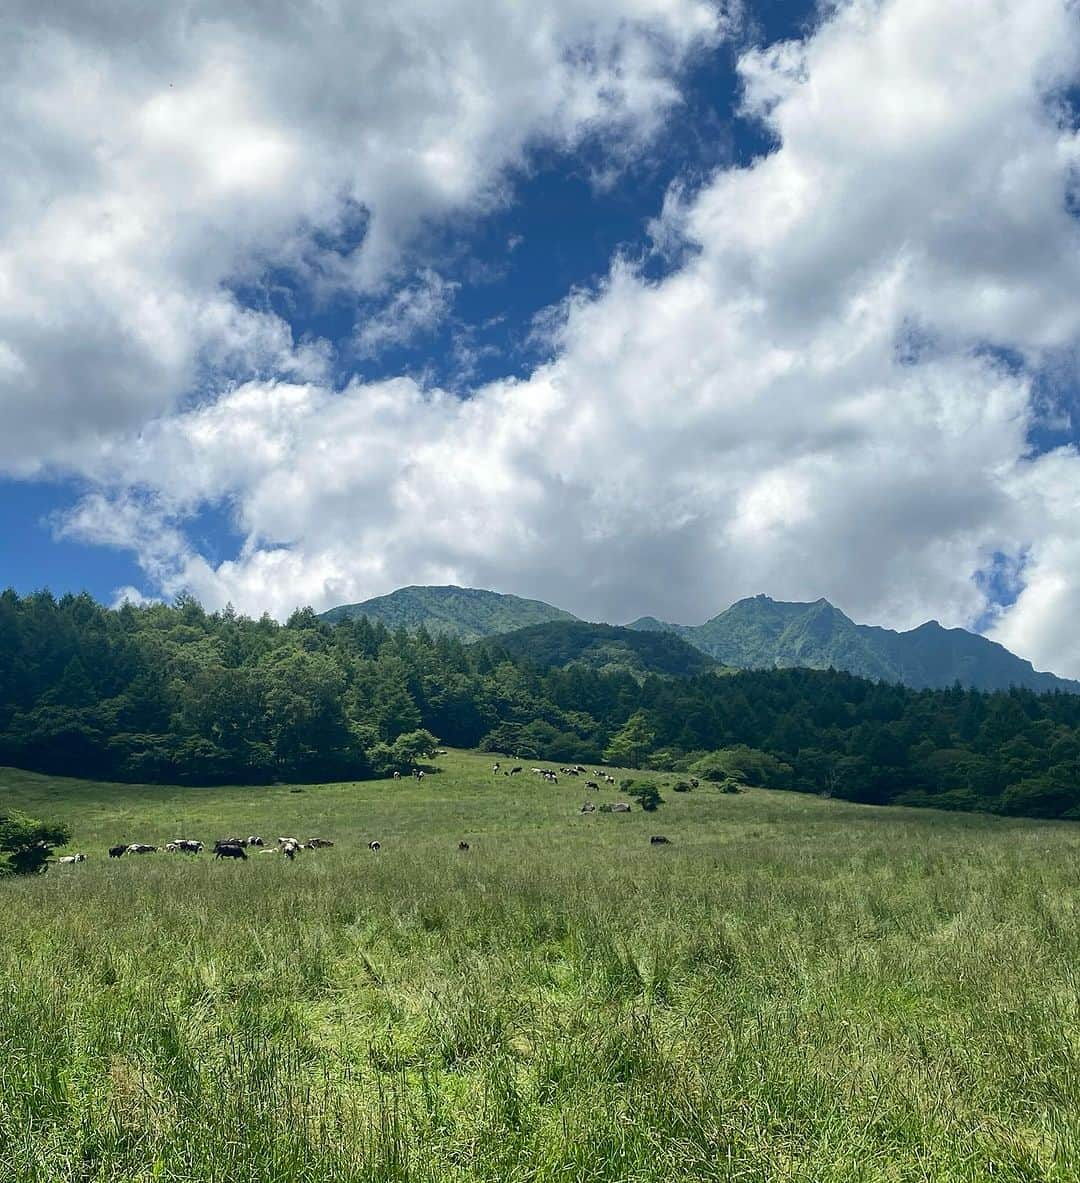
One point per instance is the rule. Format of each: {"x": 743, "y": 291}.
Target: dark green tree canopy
{"x": 180, "y": 695}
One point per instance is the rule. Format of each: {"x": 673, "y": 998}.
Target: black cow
{"x": 229, "y": 850}
{"x": 591, "y": 784}
{"x": 463, "y": 846}
{"x": 516, "y": 769}
{"x": 117, "y": 851}
{"x": 659, "y": 840}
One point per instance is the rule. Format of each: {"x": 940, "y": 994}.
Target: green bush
{"x": 27, "y": 843}
{"x": 644, "y": 792}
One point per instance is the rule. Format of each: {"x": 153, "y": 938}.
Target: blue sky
{"x": 716, "y": 299}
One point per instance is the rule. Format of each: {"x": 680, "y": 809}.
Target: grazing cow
{"x": 255, "y": 840}
{"x": 496, "y": 766}
{"x": 117, "y": 851}
{"x": 620, "y": 807}
{"x": 420, "y": 774}
{"x": 588, "y": 807}
{"x": 172, "y": 847}
{"x": 288, "y": 841}
{"x": 397, "y": 776}
{"x": 141, "y": 848}
{"x": 463, "y": 846}
{"x": 72, "y": 858}
{"x": 374, "y": 847}
{"x": 316, "y": 843}
{"x": 610, "y": 779}
{"x": 659, "y": 840}
{"x": 229, "y": 850}
{"x": 591, "y": 784}
{"x": 189, "y": 846}
{"x": 516, "y": 769}
{"x": 580, "y": 768}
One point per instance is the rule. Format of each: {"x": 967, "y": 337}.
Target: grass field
{"x": 794, "y": 989}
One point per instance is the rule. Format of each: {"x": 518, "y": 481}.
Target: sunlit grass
{"x": 794, "y": 989}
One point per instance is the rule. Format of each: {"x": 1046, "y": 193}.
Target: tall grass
{"x": 794, "y": 990}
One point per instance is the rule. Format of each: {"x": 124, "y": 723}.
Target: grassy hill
{"x": 464, "y": 612}
{"x": 761, "y": 633}
{"x": 604, "y": 647}
{"x": 793, "y": 989}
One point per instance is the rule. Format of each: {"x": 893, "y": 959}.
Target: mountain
{"x": 761, "y": 633}
{"x": 755, "y": 633}
{"x": 603, "y": 647}
{"x": 465, "y": 612}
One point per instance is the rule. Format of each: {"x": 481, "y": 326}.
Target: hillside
{"x": 761, "y": 633}
{"x": 467, "y": 613}
{"x": 603, "y": 647}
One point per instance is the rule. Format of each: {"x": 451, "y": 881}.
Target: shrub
{"x": 27, "y": 843}
{"x": 644, "y": 792}
{"x": 749, "y": 765}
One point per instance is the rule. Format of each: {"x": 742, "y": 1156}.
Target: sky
{"x": 634, "y": 306}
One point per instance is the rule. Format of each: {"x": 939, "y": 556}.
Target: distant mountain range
{"x": 761, "y": 633}
{"x": 755, "y": 633}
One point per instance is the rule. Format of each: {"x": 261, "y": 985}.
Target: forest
{"x": 174, "y": 694}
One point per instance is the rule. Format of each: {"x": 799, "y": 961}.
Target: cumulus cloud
{"x": 413, "y": 311}
{"x": 832, "y": 395}
{"x": 157, "y": 157}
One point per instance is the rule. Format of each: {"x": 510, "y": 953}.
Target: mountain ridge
{"x": 756, "y": 632}
{"x": 604, "y": 647}
{"x": 761, "y": 633}
{"x": 467, "y": 613}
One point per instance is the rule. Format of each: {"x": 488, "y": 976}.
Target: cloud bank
{"x": 835, "y": 394}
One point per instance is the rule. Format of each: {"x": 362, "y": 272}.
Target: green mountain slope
{"x": 604, "y": 647}
{"x": 464, "y": 612}
{"x": 761, "y": 633}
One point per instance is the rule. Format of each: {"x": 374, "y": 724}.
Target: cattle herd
{"x": 236, "y": 847}
{"x": 552, "y": 777}
{"x": 223, "y": 848}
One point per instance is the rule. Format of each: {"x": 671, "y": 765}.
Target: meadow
{"x": 793, "y": 989}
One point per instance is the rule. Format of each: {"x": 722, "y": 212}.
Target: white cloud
{"x": 413, "y": 311}
{"x": 157, "y": 154}
{"x": 813, "y": 403}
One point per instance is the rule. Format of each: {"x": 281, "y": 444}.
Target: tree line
{"x": 172, "y": 693}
